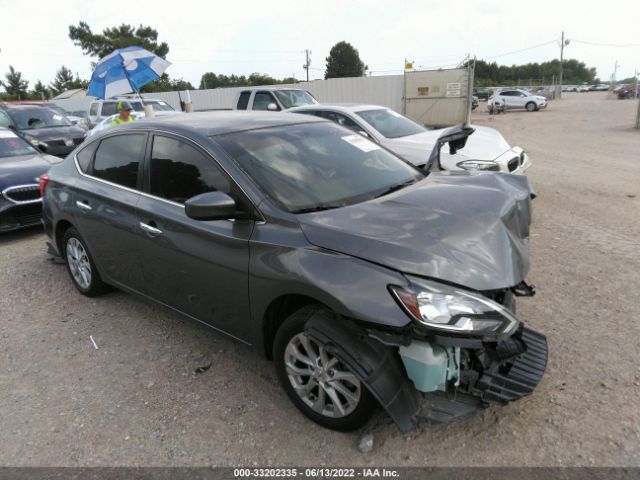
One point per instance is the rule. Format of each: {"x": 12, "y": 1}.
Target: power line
{"x": 615, "y": 45}
{"x": 521, "y": 50}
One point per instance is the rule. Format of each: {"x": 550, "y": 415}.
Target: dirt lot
{"x": 137, "y": 401}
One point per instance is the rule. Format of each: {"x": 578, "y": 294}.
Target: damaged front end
{"x": 425, "y": 377}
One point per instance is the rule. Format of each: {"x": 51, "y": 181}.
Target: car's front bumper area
{"x": 491, "y": 373}
{"x": 15, "y": 217}
{"x": 514, "y": 161}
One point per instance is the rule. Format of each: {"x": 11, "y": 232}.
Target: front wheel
{"x": 80, "y": 265}
{"x": 531, "y": 106}
{"x": 318, "y": 383}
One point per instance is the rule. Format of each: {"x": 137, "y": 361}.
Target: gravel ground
{"x": 137, "y": 400}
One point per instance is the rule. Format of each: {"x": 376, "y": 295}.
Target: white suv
{"x": 101, "y": 109}
{"x": 515, "y": 98}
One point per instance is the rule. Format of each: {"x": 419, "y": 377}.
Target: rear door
{"x": 104, "y": 205}
{"x": 197, "y": 267}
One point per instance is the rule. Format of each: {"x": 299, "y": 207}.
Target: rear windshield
{"x": 12, "y": 145}
{"x": 29, "y": 119}
{"x": 316, "y": 166}
{"x": 390, "y": 124}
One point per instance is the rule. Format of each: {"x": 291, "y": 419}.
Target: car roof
{"x": 270, "y": 88}
{"x": 344, "y": 107}
{"x": 222, "y": 122}
{"x": 27, "y": 106}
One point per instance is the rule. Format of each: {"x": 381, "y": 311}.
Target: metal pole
{"x": 561, "y": 60}
{"x": 306, "y": 65}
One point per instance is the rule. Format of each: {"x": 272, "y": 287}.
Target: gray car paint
{"x": 320, "y": 256}
{"x": 471, "y": 230}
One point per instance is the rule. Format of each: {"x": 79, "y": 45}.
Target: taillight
{"x": 44, "y": 180}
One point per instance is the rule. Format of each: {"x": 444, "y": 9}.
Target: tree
{"x": 212, "y": 80}
{"x": 344, "y": 61}
{"x": 166, "y": 84}
{"x": 40, "y": 91}
{"x": 15, "y": 86}
{"x": 100, "y": 45}
{"x": 64, "y": 80}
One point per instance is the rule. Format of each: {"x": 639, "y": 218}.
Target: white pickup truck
{"x": 272, "y": 98}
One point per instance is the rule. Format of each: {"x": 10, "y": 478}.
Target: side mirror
{"x": 210, "y": 206}
{"x": 272, "y": 107}
{"x": 42, "y": 147}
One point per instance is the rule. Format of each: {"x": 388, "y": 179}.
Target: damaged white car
{"x": 486, "y": 149}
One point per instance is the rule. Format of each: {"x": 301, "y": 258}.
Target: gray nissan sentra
{"x": 367, "y": 281}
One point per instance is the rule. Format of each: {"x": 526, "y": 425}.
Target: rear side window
{"x": 94, "y": 109}
{"x": 108, "y": 108}
{"x": 179, "y": 171}
{"x": 243, "y": 101}
{"x": 118, "y": 158}
{"x": 85, "y": 155}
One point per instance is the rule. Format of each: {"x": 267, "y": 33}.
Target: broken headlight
{"x": 479, "y": 165}
{"x": 453, "y": 310}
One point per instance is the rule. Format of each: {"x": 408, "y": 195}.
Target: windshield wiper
{"x": 395, "y": 188}
{"x": 318, "y": 208}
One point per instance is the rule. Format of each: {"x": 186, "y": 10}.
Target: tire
{"x": 352, "y": 413}
{"x": 531, "y": 107}
{"x": 80, "y": 265}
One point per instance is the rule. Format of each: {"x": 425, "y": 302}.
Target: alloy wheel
{"x": 320, "y": 379}
{"x": 79, "y": 264}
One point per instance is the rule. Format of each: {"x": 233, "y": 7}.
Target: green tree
{"x": 344, "y": 61}
{"x": 166, "y": 84}
{"x": 62, "y": 81}
{"x": 39, "y": 91}
{"x": 213, "y": 80}
{"x": 100, "y": 45}
{"x": 15, "y": 86}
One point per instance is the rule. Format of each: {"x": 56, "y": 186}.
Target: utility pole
{"x": 308, "y": 62}
{"x": 563, "y": 42}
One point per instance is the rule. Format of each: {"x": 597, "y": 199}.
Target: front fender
{"x": 376, "y": 365}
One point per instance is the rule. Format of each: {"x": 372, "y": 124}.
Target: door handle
{"x": 83, "y": 206}
{"x": 150, "y": 229}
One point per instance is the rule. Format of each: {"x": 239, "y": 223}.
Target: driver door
{"x": 200, "y": 268}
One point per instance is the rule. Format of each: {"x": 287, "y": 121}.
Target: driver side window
{"x": 262, "y": 100}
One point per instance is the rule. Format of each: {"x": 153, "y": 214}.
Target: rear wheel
{"x": 531, "y": 106}
{"x": 318, "y": 383}
{"x": 80, "y": 265}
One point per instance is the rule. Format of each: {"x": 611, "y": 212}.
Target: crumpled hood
{"x": 467, "y": 229}
{"x": 24, "y": 169}
{"x": 485, "y": 143}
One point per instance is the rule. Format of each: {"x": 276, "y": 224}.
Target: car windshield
{"x": 12, "y": 145}
{"x": 390, "y": 124}
{"x": 316, "y": 166}
{"x": 159, "y": 106}
{"x": 294, "y": 98}
{"x": 137, "y": 106}
{"x": 32, "y": 118}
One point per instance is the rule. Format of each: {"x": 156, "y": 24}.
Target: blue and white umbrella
{"x": 125, "y": 70}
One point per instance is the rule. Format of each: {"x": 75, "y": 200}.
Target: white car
{"x": 106, "y": 122}
{"x": 101, "y": 109}
{"x": 516, "y": 98}
{"x": 486, "y": 148}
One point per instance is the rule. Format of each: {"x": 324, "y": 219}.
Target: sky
{"x": 241, "y": 37}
